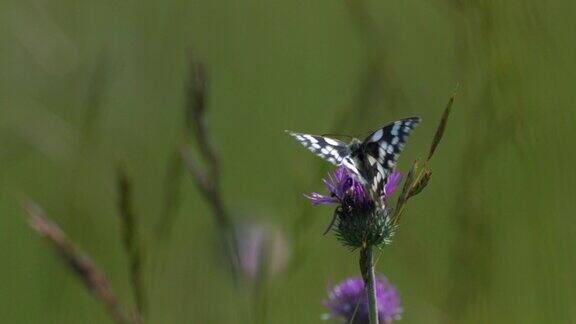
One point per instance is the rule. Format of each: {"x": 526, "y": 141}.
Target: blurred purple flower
{"x": 347, "y": 301}
{"x": 259, "y": 243}
{"x": 345, "y": 189}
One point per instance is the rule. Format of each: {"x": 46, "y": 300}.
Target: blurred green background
{"x": 85, "y": 85}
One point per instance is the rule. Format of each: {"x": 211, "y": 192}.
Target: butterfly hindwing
{"x": 330, "y": 149}
{"x": 381, "y": 150}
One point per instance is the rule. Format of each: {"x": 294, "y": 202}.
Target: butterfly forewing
{"x": 382, "y": 149}
{"x": 330, "y": 149}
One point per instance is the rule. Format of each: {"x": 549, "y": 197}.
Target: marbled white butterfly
{"x": 371, "y": 160}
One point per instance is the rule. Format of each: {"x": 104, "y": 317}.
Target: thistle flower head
{"x": 345, "y": 189}
{"x": 348, "y": 303}
{"x": 360, "y": 221}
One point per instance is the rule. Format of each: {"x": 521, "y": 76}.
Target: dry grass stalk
{"x": 77, "y": 260}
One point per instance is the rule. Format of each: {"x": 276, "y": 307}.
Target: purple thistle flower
{"x": 337, "y": 184}
{"x": 345, "y": 189}
{"x": 358, "y": 220}
{"x": 347, "y": 301}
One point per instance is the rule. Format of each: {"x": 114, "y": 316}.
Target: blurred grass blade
{"x": 196, "y": 95}
{"x": 441, "y": 127}
{"x": 77, "y": 260}
{"x": 130, "y": 238}
{"x": 193, "y": 111}
{"x": 206, "y": 175}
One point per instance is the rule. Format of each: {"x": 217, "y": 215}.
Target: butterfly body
{"x": 371, "y": 160}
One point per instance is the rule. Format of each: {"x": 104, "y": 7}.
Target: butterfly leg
{"x": 331, "y": 224}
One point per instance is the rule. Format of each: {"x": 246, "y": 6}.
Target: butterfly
{"x": 370, "y": 161}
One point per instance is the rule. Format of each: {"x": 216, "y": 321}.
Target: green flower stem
{"x": 367, "y": 270}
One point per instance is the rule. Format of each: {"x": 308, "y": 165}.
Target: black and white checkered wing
{"x": 330, "y": 149}
{"x": 381, "y": 150}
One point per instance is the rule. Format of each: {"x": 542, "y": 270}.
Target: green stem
{"x": 367, "y": 270}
